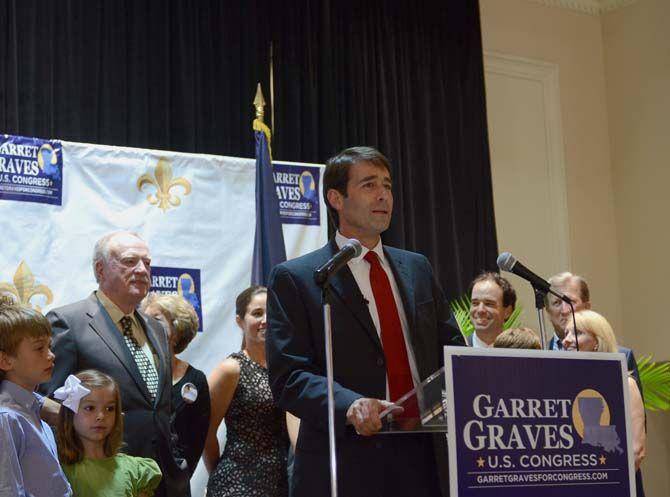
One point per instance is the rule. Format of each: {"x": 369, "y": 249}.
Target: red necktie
{"x": 397, "y": 363}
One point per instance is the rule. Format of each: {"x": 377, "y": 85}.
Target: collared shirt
{"x": 29, "y": 464}
{"x": 557, "y": 343}
{"x": 360, "y": 268}
{"x": 138, "y": 332}
{"x": 481, "y": 344}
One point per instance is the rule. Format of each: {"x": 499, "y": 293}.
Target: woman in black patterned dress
{"x": 253, "y": 462}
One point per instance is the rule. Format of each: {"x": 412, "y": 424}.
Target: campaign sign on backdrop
{"x": 181, "y": 281}
{"x": 31, "y": 170}
{"x": 528, "y": 423}
{"x": 298, "y": 192}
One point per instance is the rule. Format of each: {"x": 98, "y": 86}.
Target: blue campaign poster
{"x": 298, "y": 192}
{"x": 31, "y": 170}
{"x": 181, "y": 281}
{"x": 528, "y": 423}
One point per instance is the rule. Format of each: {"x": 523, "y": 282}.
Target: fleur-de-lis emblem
{"x": 164, "y": 182}
{"x": 24, "y": 287}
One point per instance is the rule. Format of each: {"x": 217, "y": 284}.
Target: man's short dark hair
{"x": 509, "y": 294}
{"x": 336, "y": 175}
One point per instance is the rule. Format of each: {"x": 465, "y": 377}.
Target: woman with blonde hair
{"x": 595, "y": 334}
{"x": 190, "y": 392}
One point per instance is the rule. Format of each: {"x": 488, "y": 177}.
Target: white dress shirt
{"x": 138, "y": 332}
{"x": 360, "y": 268}
{"x": 480, "y": 344}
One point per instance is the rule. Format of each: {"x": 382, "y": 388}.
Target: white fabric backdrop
{"x": 211, "y": 230}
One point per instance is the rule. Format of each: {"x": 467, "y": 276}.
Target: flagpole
{"x": 272, "y": 87}
{"x": 259, "y": 104}
{"x": 269, "y": 248}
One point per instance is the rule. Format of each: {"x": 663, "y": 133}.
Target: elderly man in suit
{"x": 106, "y": 332}
{"x": 390, "y": 322}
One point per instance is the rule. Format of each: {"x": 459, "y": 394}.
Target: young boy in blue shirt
{"x": 29, "y": 464}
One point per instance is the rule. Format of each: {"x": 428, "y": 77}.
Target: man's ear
{"x": 507, "y": 312}
{"x": 98, "y": 269}
{"x": 334, "y": 199}
{"x": 6, "y": 362}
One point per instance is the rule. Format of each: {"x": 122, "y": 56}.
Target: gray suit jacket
{"x": 85, "y": 337}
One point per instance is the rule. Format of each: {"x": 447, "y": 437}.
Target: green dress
{"x": 118, "y": 476}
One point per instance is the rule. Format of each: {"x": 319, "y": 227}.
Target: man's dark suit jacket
{"x": 85, "y": 337}
{"x": 631, "y": 363}
{"x": 297, "y": 370}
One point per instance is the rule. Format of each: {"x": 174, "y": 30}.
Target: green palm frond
{"x": 460, "y": 307}
{"x": 655, "y": 380}
{"x": 514, "y": 320}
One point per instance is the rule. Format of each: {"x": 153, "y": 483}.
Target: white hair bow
{"x": 71, "y": 393}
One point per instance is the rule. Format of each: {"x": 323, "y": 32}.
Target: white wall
{"x": 613, "y": 74}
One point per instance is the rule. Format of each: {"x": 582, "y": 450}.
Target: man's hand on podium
{"x": 363, "y": 414}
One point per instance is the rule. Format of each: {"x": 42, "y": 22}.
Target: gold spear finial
{"x": 258, "y": 124}
{"x": 259, "y": 103}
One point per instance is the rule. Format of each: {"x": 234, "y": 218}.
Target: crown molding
{"x": 592, "y": 7}
{"x": 609, "y": 5}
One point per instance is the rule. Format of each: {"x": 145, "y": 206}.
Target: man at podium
{"x": 389, "y": 324}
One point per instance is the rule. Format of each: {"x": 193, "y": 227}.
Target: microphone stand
{"x": 322, "y": 276}
{"x": 327, "y": 328}
{"x": 574, "y": 326}
{"x": 539, "y": 305}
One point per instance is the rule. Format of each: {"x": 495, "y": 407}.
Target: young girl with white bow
{"x": 89, "y": 436}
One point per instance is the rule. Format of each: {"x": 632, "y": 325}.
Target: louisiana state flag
{"x": 269, "y": 247}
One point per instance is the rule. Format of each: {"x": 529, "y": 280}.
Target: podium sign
{"x": 525, "y": 423}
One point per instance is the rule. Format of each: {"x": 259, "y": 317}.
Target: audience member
{"x": 492, "y": 301}
{"x": 595, "y": 334}
{"x": 190, "y": 392}
{"x": 106, "y": 332}
{"x": 90, "y": 434}
{"x": 28, "y": 463}
{"x": 518, "y": 338}
{"x": 254, "y": 459}
{"x": 577, "y": 290}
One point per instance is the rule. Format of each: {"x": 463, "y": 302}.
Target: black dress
{"x": 253, "y": 463}
{"x": 190, "y": 420}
